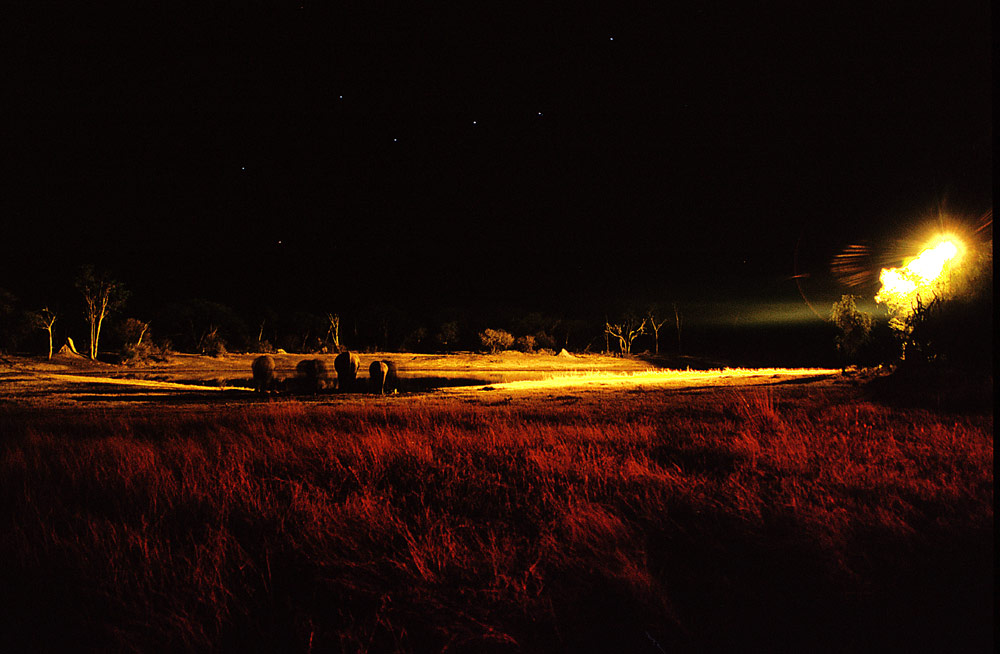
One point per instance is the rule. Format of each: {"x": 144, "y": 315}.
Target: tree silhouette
{"x": 333, "y": 330}
{"x": 855, "y": 328}
{"x": 655, "y": 325}
{"x": 102, "y": 295}
{"x": 496, "y": 340}
{"x": 45, "y": 319}
{"x": 626, "y": 331}
{"x": 679, "y": 321}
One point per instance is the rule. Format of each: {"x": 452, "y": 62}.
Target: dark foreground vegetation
{"x": 733, "y": 520}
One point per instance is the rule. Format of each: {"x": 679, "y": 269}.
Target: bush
{"x": 447, "y": 336}
{"x": 263, "y": 347}
{"x": 855, "y": 328}
{"x": 213, "y": 344}
{"x": 144, "y": 352}
{"x": 954, "y": 330}
{"x": 955, "y": 333}
{"x": 544, "y": 341}
{"x": 15, "y": 323}
{"x": 416, "y": 341}
{"x": 525, "y": 343}
{"x": 138, "y": 346}
{"x": 496, "y": 340}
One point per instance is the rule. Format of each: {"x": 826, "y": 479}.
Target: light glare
{"x": 920, "y": 280}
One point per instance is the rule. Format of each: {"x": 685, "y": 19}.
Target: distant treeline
{"x": 206, "y": 326}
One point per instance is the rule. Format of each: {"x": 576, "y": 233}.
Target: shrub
{"x": 447, "y": 336}
{"x": 855, "y": 328}
{"x": 525, "y": 343}
{"x": 138, "y": 346}
{"x": 544, "y": 341}
{"x": 953, "y": 328}
{"x": 496, "y": 340}
{"x": 213, "y": 344}
{"x": 263, "y": 347}
{"x": 143, "y": 352}
{"x": 416, "y": 341}
{"x": 15, "y": 323}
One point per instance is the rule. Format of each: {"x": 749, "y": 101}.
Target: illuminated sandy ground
{"x": 141, "y": 383}
{"x": 660, "y": 379}
{"x": 588, "y": 381}
{"x": 205, "y": 380}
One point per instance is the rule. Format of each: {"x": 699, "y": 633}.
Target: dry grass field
{"x": 513, "y": 504}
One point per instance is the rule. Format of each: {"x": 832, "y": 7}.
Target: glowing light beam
{"x": 920, "y": 280}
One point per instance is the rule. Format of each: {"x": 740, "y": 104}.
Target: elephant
{"x": 313, "y": 374}
{"x": 346, "y": 364}
{"x": 263, "y": 373}
{"x": 379, "y": 374}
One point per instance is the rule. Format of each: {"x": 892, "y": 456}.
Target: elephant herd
{"x": 312, "y": 375}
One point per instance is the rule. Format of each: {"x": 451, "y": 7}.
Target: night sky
{"x": 313, "y": 157}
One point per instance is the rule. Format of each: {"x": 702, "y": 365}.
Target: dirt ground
{"x": 191, "y": 380}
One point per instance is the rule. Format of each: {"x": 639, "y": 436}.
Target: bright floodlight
{"x": 922, "y": 279}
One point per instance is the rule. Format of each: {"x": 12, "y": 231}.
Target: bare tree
{"x": 333, "y": 331}
{"x": 133, "y": 331}
{"x": 102, "y": 295}
{"x": 626, "y": 331}
{"x": 655, "y": 326}
{"x": 45, "y": 319}
{"x": 679, "y": 320}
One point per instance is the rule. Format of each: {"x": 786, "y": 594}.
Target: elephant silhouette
{"x": 313, "y": 374}
{"x": 379, "y": 374}
{"x": 346, "y": 364}
{"x": 263, "y": 373}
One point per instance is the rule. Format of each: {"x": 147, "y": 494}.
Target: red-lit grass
{"x": 730, "y": 519}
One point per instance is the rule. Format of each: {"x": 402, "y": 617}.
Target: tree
{"x": 306, "y": 329}
{"x": 45, "y": 319}
{"x": 955, "y": 328}
{"x": 855, "y": 328}
{"x": 15, "y": 323}
{"x": 202, "y": 326}
{"x": 133, "y": 331}
{"x": 137, "y": 342}
{"x": 679, "y": 321}
{"x": 655, "y": 326}
{"x": 333, "y": 330}
{"x": 496, "y": 340}
{"x": 102, "y": 296}
{"x": 626, "y": 331}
